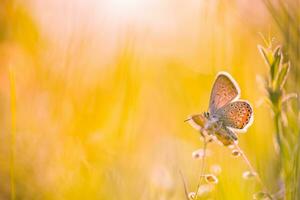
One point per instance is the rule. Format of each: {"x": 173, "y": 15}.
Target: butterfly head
{"x": 206, "y": 115}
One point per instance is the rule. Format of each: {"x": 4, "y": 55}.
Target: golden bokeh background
{"x": 103, "y": 87}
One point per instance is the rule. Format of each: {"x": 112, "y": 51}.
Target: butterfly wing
{"x": 197, "y": 121}
{"x": 237, "y": 114}
{"x": 226, "y": 136}
{"x": 224, "y": 90}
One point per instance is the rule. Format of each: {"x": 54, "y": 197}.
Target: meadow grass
{"x": 198, "y": 122}
{"x": 13, "y": 110}
{"x": 285, "y": 104}
{"x": 286, "y": 119}
{"x": 101, "y": 98}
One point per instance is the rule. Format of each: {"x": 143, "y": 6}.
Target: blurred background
{"x": 102, "y": 89}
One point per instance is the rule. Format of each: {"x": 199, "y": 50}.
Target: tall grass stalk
{"x": 200, "y": 120}
{"x": 184, "y": 185}
{"x": 253, "y": 171}
{"x": 13, "y": 132}
{"x": 205, "y": 142}
{"x": 287, "y": 18}
{"x": 286, "y": 120}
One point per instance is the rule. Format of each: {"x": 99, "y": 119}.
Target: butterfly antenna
{"x": 187, "y": 120}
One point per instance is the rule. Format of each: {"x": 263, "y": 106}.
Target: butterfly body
{"x": 226, "y": 114}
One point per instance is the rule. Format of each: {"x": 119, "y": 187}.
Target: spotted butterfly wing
{"x": 237, "y": 114}
{"x": 223, "y": 92}
{"x": 226, "y": 136}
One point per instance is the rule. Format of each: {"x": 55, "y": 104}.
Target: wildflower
{"x": 204, "y": 189}
{"x": 236, "y": 153}
{"x": 210, "y": 178}
{"x": 199, "y": 154}
{"x": 249, "y": 175}
{"x": 191, "y": 195}
{"x": 216, "y": 169}
{"x": 261, "y": 196}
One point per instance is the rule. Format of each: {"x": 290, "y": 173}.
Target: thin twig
{"x": 184, "y": 185}
{"x": 13, "y": 133}
{"x": 202, "y": 167}
{"x": 247, "y": 161}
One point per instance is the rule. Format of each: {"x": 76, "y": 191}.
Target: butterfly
{"x": 227, "y": 114}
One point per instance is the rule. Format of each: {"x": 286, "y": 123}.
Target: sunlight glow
{"x": 126, "y": 8}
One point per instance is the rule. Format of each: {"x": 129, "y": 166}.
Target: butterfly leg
{"x": 218, "y": 126}
{"x": 225, "y": 135}
{"x": 230, "y": 133}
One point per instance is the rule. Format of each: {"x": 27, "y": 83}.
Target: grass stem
{"x": 252, "y": 170}
{"x": 184, "y": 185}
{"x": 202, "y": 166}
{"x": 13, "y": 133}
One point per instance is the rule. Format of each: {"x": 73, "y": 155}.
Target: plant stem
{"x": 247, "y": 161}
{"x": 202, "y": 167}
{"x": 13, "y": 133}
{"x": 184, "y": 185}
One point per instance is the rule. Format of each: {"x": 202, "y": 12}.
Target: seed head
{"x": 210, "y": 178}
{"x": 249, "y": 175}
{"x": 215, "y": 169}
{"x": 261, "y": 196}
{"x": 235, "y": 153}
{"x": 199, "y": 154}
{"x": 191, "y": 195}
